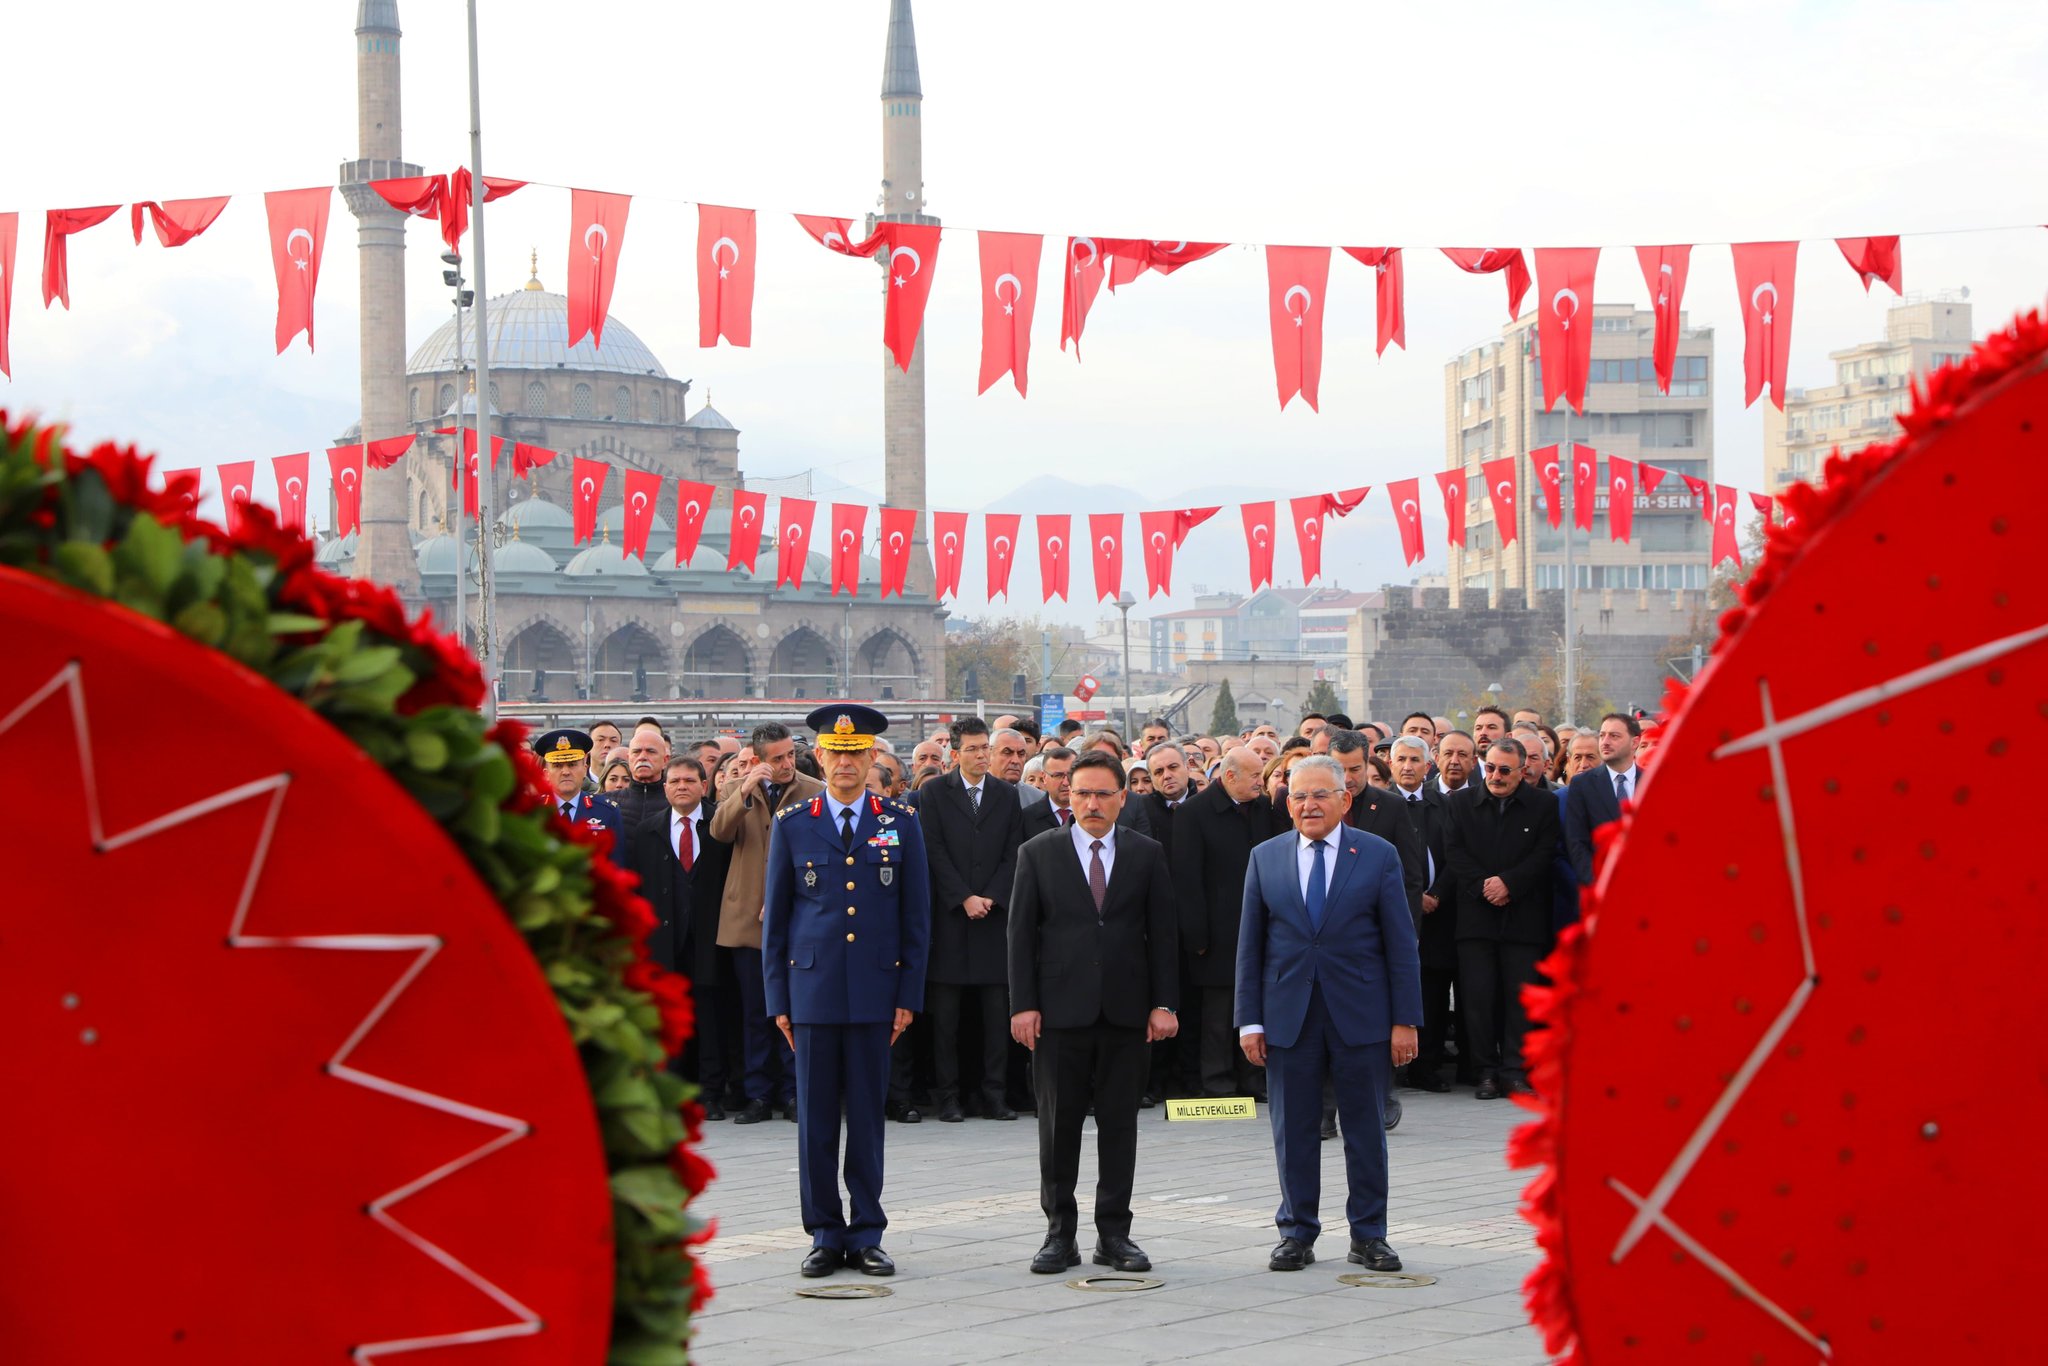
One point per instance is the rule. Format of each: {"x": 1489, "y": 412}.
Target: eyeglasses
{"x": 1321, "y": 794}
{"x": 1083, "y": 794}
{"x": 1502, "y": 769}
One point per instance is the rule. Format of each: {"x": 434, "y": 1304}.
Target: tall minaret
{"x": 902, "y": 201}
{"x": 384, "y": 550}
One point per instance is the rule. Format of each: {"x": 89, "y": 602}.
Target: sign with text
{"x": 1213, "y": 1107}
{"x": 1052, "y": 709}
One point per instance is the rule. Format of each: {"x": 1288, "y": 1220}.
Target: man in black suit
{"x": 682, "y": 875}
{"x": 1092, "y": 981}
{"x": 1213, "y": 837}
{"x": 1430, "y": 817}
{"x": 1595, "y": 797}
{"x": 1176, "y": 1063}
{"x": 1056, "y": 769}
{"x": 972, "y": 827}
{"x": 1502, "y": 838}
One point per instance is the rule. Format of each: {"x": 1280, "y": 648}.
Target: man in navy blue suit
{"x": 567, "y": 756}
{"x": 1328, "y": 984}
{"x": 1595, "y": 797}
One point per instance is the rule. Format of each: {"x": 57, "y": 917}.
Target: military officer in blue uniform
{"x": 845, "y": 932}
{"x": 567, "y": 756}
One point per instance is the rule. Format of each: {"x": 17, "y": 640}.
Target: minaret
{"x": 902, "y": 201}
{"x": 384, "y": 550}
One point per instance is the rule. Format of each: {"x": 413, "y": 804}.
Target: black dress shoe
{"x": 789, "y": 1111}
{"x": 1122, "y": 1254}
{"x": 872, "y": 1261}
{"x": 1056, "y": 1256}
{"x": 1149, "y": 1100}
{"x": 754, "y": 1113}
{"x": 1373, "y": 1254}
{"x": 911, "y": 1115}
{"x": 995, "y": 1109}
{"x": 1517, "y": 1084}
{"x": 949, "y": 1113}
{"x": 713, "y": 1110}
{"x": 1427, "y": 1079}
{"x": 1390, "y": 1118}
{"x": 1329, "y": 1129}
{"x": 1292, "y": 1255}
{"x": 1488, "y": 1089}
{"x": 822, "y": 1261}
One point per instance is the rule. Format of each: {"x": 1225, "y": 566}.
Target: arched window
{"x": 583, "y": 405}
{"x": 496, "y": 405}
{"x": 447, "y": 397}
{"x": 537, "y": 399}
{"x": 657, "y": 407}
{"x": 412, "y": 405}
{"x": 622, "y": 404}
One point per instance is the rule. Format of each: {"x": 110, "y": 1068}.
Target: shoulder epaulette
{"x": 789, "y": 810}
{"x": 903, "y": 806}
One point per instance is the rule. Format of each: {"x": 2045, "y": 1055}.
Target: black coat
{"x": 971, "y": 853}
{"x": 1213, "y": 838}
{"x": 642, "y": 804}
{"x": 1516, "y": 847}
{"x": 1438, "y": 937}
{"x": 1158, "y": 819}
{"x": 1075, "y": 967}
{"x": 1378, "y": 812}
{"x": 686, "y": 940}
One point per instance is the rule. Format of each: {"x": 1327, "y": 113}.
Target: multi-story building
{"x": 1873, "y": 383}
{"x": 1208, "y": 630}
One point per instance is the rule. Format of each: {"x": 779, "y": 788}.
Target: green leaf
{"x": 647, "y": 1353}
{"x": 292, "y": 624}
{"x": 84, "y": 565}
{"x": 203, "y": 621}
{"x": 428, "y": 751}
{"x": 629, "y": 1089}
{"x": 366, "y": 664}
{"x": 154, "y": 553}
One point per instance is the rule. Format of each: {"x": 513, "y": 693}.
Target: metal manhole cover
{"x": 1386, "y": 1280}
{"x": 1116, "y": 1285}
{"x": 845, "y": 1292}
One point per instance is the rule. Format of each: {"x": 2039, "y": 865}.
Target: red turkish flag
{"x": 1547, "y": 465}
{"x": 1874, "y": 258}
{"x": 693, "y": 501}
{"x": 1389, "y": 292}
{"x": 382, "y": 455}
{"x": 1490, "y": 260}
{"x": 1297, "y": 282}
{"x": 290, "y": 473}
{"x": 1726, "y": 544}
{"x": 1340, "y": 504}
{"x": 1406, "y": 496}
{"x": 1106, "y": 535}
{"x": 949, "y": 543}
{"x": 725, "y": 275}
{"x": 298, "y": 233}
{"x": 1664, "y": 272}
{"x": 1157, "y": 529}
{"x": 1763, "y": 281}
{"x": 1009, "y": 295}
{"x": 793, "y": 541}
{"x": 185, "y": 484}
{"x": 1452, "y": 482}
{"x": 1501, "y": 482}
{"x": 177, "y": 221}
{"x": 1765, "y": 504}
{"x": 999, "y": 534}
{"x": 586, "y": 486}
{"x": 597, "y": 234}
{"x": 836, "y": 234}
{"x": 1648, "y": 476}
{"x": 58, "y": 226}
{"x": 416, "y": 196}
{"x": 1130, "y": 258}
{"x": 10, "y": 231}
{"x": 913, "y": 255}
{"x": 743, "y": 540}
{"x": 1055, "y": 539}
{"x": 237, "y": 489}
{"x": 345, "y": 473}
{"x": 1308, "y": 533}
{"x": 463, "y": 474}
{"x": 1564, "y": 323}
{"x": 1258, "y": 542}
{"x": 1186, "y": 520}
{"x": 849, "y": 524}
{"x": 461, "y": 196}
{"x": 1082, "y": 280}
{"x": 1703, "y": 494}
{"x": 898, "y": 530}
{"x": 1585, "y": 485}
{"x": 525, "y": 458}
{"x": 1621, "y": 498}
{"x": 642, "y": 491}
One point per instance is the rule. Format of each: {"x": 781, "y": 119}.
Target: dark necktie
{"x": 1098, "y": 881}
{"x": 846, "y": 828}
{"x": 1060, "y": 814}
{"x": 686, "y": 853}
{"x": 1316, "y": 890}
{"x": 569, "y": 811}
{"x": 974, "y": 793}
{"x": 1620, "y": 788}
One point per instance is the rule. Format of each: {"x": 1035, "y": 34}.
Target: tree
{"x": 1223, "y": 720}
{"x": 994, "y": 650}
{"x": 1321, "y": 698}
{"x": 1705, "y": 626}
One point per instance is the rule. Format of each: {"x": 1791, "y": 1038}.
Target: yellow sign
{"x": 1213, "y": 1107}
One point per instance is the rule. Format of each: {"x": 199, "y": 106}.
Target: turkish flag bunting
{"x": 999, "y": 530}
{"x": 1055, "y": 540}
{"x": 290, "y": 473}
{"x": 1009, "y": 295}
{"x": 743, "y": 541}
{"x": 1340, "y": 504}
{"x": 463, "y": 473}
{"x": 1648, "y": 476}
{"x": 1874, "y": 258}
{"x": 586, "y": 486}
{"x": 597, "y": 234}
{"x": 1082, "y": 277}
{"x": 1406, "y": 496}
{"x": 836, "y": 234}
{"x": 949, "y": 542}
{"x": 1564, "y": 324}
{"x": 345, "y": 474}
{"x": 237, "y": 488}
{"x": 793, "y": 541}
{"x": 1765, "y": 504}
{"x": 525, "y": 459}
{"x": 1544, "y": 461}
{"x": 641, "y": 493}
{"x": 913, "y": 257}
{"x": 416, "y": 196}
{"x": 1129, "y": 258}
{"x": 1297, "y": 281}
{"x": 10, "y": 232}
{"x": 1585, "y": 485}
{"x": 1501, "y": 480}
{"x": 177, "y": 221}
{"x": 1389, "y": 293}
{"x": 185, "y": 483}
{"x": 693, "y": 500}
{"x": 849, "y": 524}
{"x": 58, "y": 226}
{"x": 1157, "y": 528}
{"x": 456, "y": 204}
{"x": 1258, "y": 542}
{"x": 898, "y": 530}
{"x": 382, "y": 455}
{"x": 1186, "y": 520}
{"x": 1726, "y": 546}
{"x": 1763, "y": 282}
{"x": 1106, "y": 535}
{"x": 1308, "y": 532}
{"x": 1452, "y": 482}
{"x": 1621, "y": 498}
{"x": 1488, "y": 261}
{"x": 725, "y": 275}
{"x": 1664, "y": 272}
{"x": 1703, "y": 494}
{"x": 298, "y": 232}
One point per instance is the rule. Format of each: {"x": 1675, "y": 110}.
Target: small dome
{"x": 709, "y": 419}
{"x": 535, "y": 514}
{"x": 522, "y": 557}
{"x": 614, "y": 519}
{"x": 337, "y": 551}
{"x": 437, "y": 555}
{"x": 605, "y": 561}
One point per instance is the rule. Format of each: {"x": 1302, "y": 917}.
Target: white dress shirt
{"x": 680, "y": 828}
{"x": 833, "y": 806}
{"x": 1083, "y": 850}
{"x": 1632, "y": 773}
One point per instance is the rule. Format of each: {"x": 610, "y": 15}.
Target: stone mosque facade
{"x": 591, "y": 621}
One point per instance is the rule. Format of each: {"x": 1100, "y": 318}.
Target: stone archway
{"x": 631, "y": 664}
{"x": 803, "y": 666}
{"x": 540, "y": 664}
{"x": 717, "y": 664}
{"x": 885, "y": 666}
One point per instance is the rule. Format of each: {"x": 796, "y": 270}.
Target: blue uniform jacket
{"x": 845, "y": 936}
{"x": 600, "y": 812}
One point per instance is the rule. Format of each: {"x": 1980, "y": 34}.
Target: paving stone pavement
{"x": 964, "y": 1221}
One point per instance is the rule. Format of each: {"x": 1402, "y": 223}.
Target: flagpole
{"x": 461, "y": 624}
{"x": 487, "y": 644}
{"x": 1571, "y": 583}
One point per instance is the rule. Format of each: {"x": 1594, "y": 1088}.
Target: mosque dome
{"x": 537, "y": 514}
{"x": 521, "y": 557}
{"x": 437, "y": 555}
{"x": 605, "y": 561}
{"x": 337, "y": 551}
{"x": 529, "y": 330}
{"x": 709, "y": 419}
{"x": 614, "y": 519}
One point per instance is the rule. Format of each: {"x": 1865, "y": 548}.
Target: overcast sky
{"x": 1566, "y": 124}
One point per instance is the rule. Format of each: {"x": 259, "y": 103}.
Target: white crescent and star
{"x": 639, "y": 501}
{"x": 831, "y": 236}
{"x": 1055, "y": 545}
{"x": 348, "y": 478}
{"x": 1559, "y": 298}
{"x": 1409, "y": 511}
{"x": 693, "y": 511}
{"x": 846, "y": 539}
{"x": 1107, "y": 545}
{"x": 896, "y": 540}
{"x": 1550, "y": 472}
{"x": 1504, "y": 489}
{"x": 293, "y": 487}
{"x": 916, "y": 263}
{"x": 1176, "y": 249}
{"x": 747, "y": 514}
{"x": 793, "y": 532}
{"x": 1261, "y": 533}
{"x": 604, "y": 240}
{"x": 1757, "y": 293}
{"x": 1159, "y": 540}
{"x": 1015, "y": 284}
{"x": 1310, "y": 529}
{"x": 588, "y": 488}
{"x": 293, "y": 236}
{"x": 950, "y": 541}
{"x": 1093, "y": 255}
{"x": 1002, "y": 547}
{"x": 1663, "y": 297}
{"x": 1620, "y": 484}
{"x": 725, "y": 242}
{"x": 1287, "y": 301}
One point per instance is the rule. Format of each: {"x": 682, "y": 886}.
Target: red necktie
{"x": 685, "y": 853}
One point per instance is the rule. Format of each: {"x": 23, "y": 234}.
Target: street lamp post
{"x": 1124, "y": 603}
{"x": 452, "y": 277}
